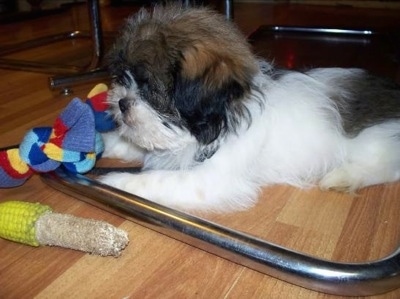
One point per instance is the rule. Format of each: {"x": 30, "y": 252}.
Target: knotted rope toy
{"x": 74, "y": 142}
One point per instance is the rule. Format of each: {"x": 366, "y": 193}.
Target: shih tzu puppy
{"x": 211, "y": 123}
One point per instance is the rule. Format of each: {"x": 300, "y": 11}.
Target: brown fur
{"x": 190, "y": 65}
{"x": 217, "y": 52}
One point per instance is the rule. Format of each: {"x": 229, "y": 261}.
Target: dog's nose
{"x": 123, "y": 105}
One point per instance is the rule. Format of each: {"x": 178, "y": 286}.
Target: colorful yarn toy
{"x": 73, "y": 142}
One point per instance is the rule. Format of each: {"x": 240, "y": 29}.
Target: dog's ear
{"x": 209, "y": 91}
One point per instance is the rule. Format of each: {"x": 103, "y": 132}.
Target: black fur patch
{"x": 205, "y": 111}
{"x": 371, "y": 100}
{"x": 206, "y": 152}
{"x": 117, "y": 68}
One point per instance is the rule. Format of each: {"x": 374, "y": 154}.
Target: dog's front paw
{"x": 116, "y": 147}
{"x": 157, "y": 187}
{"x": 121, "y": 180}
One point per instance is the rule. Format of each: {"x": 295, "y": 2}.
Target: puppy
{"x": 211, "y": 123}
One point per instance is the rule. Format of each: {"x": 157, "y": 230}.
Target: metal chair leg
{"x": 227, "y": 6}
{"x": 71, "y": 75}
{"x": 93, "y": 71}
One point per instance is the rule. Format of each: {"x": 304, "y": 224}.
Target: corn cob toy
{"x": 35, "y": 224}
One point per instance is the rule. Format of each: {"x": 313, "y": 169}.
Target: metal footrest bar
{"x": 350, "y": 279}
{"x": 65, "y": 81}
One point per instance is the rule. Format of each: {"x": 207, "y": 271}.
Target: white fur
{"x": 295, "y": 138}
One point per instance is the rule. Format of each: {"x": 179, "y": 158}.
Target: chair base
{"x": 73, "y": 74}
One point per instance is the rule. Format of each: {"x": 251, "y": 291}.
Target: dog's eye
{"x": 141, "y": 82}
{"x": 141, "y": 74}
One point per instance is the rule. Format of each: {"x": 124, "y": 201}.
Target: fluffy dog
{"x": 211, "y": 123}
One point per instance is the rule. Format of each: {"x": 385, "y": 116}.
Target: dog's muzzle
{"x": 123, "y": 105}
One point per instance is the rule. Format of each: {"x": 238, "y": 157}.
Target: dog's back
{"x": 362, "y": 99}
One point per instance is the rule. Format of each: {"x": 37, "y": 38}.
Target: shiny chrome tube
{"x": 320, "y": 30}
{"x": 350, "y": 279}
{"x": 67, "y": 81}
{"x": 93, "y": 70}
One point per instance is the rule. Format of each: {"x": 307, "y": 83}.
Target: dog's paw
{"x": 121, "y": 180}
{"x": 340, "y": 179}
{"x": 166, "y": 189}
{"x": 116, "y": 147}
{"x": 185, "y": 191}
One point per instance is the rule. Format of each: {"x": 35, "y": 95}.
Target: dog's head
{"x": 180, "y": 76}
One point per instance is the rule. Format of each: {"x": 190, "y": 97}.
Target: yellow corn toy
{"x": 35, "y": 224}
{"x": 17, "y": 221}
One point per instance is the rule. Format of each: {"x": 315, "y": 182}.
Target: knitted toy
{"x": 74, "y": 142}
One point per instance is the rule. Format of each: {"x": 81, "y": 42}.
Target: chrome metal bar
{"x": 227, "y": 6}
{"x": 336, "y": 35}
{"x": 68, "y": 75}
{"x": 96, "y": 34}
{"x": 322, "y": 30}
{"x": 93, "y": 70}
{"x": 228, "y": 9}
{"x": 66, "y": 81}
{"x": 350, "y": 279}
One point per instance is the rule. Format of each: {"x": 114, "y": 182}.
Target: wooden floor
{"x": 324, "y": 224}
